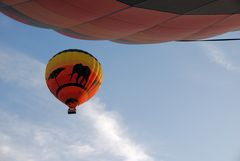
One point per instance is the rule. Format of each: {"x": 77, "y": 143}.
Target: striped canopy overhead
{"x": 129, "y": 21}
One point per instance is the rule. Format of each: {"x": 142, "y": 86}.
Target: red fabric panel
{"x": 193, "y": 21}
{"x": 187, "y": 27}
{"x": 210, "y": 32}
{"x": 160, "y": 34}
{"x": 121, "y": 24}
{"x": 81, "y": 10}
{"x": 232, "y": 21}
{"x": 110, "y": 19}
{"x": 13, "y": 13}
{"x": 35, "y": 11}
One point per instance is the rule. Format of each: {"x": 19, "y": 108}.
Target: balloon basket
{"x": 72, "y": 111}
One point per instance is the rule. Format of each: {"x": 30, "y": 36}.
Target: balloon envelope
{"x": 73, "y": 76}
{"x": 129, "y": 21}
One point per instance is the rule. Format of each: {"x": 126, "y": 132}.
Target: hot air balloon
{"x": 129, "y": 21}
{"x": 73, "y": 76}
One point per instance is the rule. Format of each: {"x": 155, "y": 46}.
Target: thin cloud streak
{"x": 218, "y": 56}
{"x": 23, "y": 141}
{"x": 112, "y": 133}
{"x": 97, "y": 134}
{"x": 20, "y": 69}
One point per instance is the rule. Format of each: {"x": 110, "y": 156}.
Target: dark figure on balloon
{"x": 81, "y": 71}
{"x": 55, "y": 74}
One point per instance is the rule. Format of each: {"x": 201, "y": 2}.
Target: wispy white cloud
{"x": 218, "y": 56}
{"x": 93, "y": 134}
{"x": 20, "y": 69}
{"x": 105, "y": 140}
{"x": 112, "y": 134}
{"x": 27, "y": 141}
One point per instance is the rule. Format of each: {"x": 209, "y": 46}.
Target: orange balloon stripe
{"x": 95, "y": 77}
{"x": 73, "y": 92}
{"x": 65, "y": 78}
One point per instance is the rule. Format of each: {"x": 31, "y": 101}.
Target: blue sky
{"x": 161, "y": 102}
